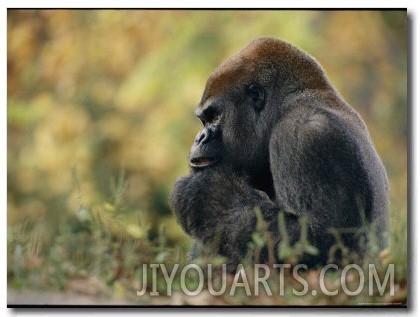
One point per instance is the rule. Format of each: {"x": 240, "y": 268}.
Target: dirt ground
{"x": 71, "y": 298}
{"x": 15, "y": 297}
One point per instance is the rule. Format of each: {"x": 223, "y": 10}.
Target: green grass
{"x": 109, "y": 243}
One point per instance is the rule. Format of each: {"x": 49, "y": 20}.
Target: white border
{"x": 413, "y": 14}
{"x": 207, "y": 4}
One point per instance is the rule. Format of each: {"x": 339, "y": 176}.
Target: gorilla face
{"x": 207, "y": 148}
{"x": 229, "y": 130}
{"x": 236, "y": 116}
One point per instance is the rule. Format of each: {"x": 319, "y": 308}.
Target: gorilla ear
{"x": 255, "y": 95}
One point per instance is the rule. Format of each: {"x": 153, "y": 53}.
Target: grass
{"x": 107, "y": 251}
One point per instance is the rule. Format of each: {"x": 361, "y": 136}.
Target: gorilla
{"x": 278, "y": 138}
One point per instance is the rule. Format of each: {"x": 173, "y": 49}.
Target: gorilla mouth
{"x": 201, "y": 162}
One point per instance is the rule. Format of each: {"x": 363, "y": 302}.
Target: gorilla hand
{"x": 217, "y": 208}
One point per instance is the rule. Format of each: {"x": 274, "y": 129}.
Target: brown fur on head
{"x": 271, "y": 62}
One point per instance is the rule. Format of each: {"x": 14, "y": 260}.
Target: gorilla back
{"x": 278, "y": 137}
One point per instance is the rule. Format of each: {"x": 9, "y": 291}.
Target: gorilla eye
{"x": 208, "y": 115}
{"x": 255, "y": 95}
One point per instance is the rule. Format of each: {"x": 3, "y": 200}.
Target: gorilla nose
{"x": 203, "y": 136}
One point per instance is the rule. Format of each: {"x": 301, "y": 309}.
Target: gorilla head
{"x": 244, "y": 99}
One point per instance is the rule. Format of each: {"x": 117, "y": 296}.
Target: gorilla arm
{"x": 326, "y": 165}
{"x": 217, "y": 208}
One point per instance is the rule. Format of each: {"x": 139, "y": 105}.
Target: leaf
{"x": 135, "y": 231}
{"x": 310, "y": 249}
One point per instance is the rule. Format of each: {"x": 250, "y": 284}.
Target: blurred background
{"x": 100, "y": 121}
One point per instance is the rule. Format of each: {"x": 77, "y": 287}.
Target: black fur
{"x": 277, "y": 136}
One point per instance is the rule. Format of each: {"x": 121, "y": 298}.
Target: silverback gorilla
{"x": 279, "y": 138}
